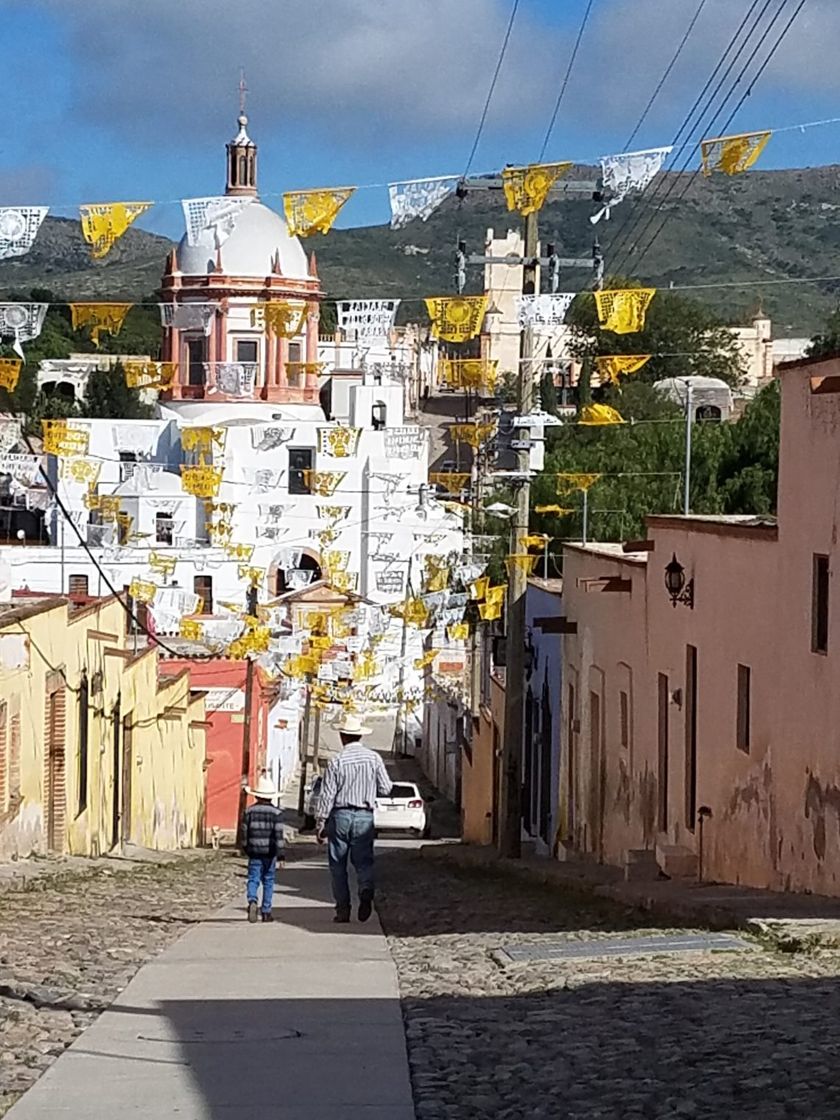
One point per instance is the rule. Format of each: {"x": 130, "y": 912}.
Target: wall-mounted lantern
{"x": 676, "y": 585}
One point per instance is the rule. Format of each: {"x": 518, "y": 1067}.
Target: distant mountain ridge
{"x": 765, "y": 225}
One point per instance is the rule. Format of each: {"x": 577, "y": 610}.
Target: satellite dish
{"x": 5, "y": 581}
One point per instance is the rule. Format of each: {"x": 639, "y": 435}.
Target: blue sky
{"x": 134, "y": 99}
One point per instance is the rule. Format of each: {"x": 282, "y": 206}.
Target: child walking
{"x": 262, "y": 842}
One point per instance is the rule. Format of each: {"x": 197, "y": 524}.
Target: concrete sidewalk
{"x": 297, "y": 1019}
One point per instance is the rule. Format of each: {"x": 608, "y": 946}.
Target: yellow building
{"x": 97, "y": 749}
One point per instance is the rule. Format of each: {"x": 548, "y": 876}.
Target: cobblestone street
{"x": 713, "y": 1035}
{"x": 71, "y": 942}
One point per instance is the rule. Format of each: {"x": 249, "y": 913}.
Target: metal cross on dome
{"x": 243, "y": 90}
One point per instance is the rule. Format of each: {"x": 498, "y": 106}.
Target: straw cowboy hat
{"x": 263, "y": 788}
{"x": 352, "y": 725}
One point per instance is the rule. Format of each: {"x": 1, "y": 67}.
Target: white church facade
{"x": 265, "y": 465}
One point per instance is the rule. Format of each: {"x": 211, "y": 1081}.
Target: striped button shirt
{"x": 353, "y": 779}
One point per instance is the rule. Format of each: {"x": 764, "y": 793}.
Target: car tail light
{"x": 415, "y": 804}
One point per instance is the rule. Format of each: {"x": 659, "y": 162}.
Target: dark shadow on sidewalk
{"x": 752, "y": 1049}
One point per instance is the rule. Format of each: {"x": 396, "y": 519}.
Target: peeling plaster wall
{"x": 606, "y": 794}
{"x": 775, "y": 808}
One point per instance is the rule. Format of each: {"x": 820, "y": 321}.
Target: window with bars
{"x": 819, "y": 604}
{"x": 742, "y": 729}
{"x": 300, "y": 462}
{"x": 163, "y": 528}
{"x": 82, "y": 768}
{"x": 78, "y": 585}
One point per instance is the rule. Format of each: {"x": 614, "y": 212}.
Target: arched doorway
{"x": 282, "y": 579}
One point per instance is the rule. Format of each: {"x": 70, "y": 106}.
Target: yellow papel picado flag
{"x": 104, "y": 223}
{"x": 9, "y": 373}
{"x": 458, "y": 631}
{"x": 611, "y": 367}
{"x": 520, "y": 562}
{"x": 623, "y": 310}
{"x": 472, "y": 434}
{"x": 452, "y": 482}
{"x": 60, "y": 439}
{"x": 733, "y": 154}
{"x": 340, "y": 443}
{"x": 456, "y": 318}
{"x": 323, "y": 483}
{"x": 560, "y": 511}
{"x": 162, "y": 563}
{"x": 142, "y": 591}
{"x": 280, "y": 317}
{"x": 599, "y": 414}
{"x": 85, "y": 471}
{"x": 488, "y": 612}
{"x": 468, "y": 373}
{"x": 568, "y": 482}
{"x": 315, "y": 211}
{"x": 201, "y": 482}
{"x": 102, "y": 318}
{"x": 526, "y": 188}
{"x": 149, "y": 375}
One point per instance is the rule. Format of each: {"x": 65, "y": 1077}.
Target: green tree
{"x": 749, "y": 468}
{"x": 108, "y": 397}
{"x": 827, "y": 343}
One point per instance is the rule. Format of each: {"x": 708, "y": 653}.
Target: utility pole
{"x": 510, "y": 801}
{"x": 250, "y": 610}
{"x": 304, "y": 747}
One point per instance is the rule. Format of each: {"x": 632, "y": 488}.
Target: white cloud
{"x": 344, "y": 67}
{"x": 358, "y": 72}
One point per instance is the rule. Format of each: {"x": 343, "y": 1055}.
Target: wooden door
{"x": 127, "y": 764}
{"x": 55, "y": 797}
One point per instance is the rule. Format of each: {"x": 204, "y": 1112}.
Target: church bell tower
{"x": 242, "y": 154}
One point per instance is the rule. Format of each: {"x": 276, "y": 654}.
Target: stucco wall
{"x": 161, "y": 758}
{"x": 774, "y": 801}
{"x": 479, "y": 773}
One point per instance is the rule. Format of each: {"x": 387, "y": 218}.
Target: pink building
{"x": 701, "y": 721}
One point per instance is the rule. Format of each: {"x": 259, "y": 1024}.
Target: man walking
{"x": 262, "y": 842}
{"x": 352, "y": 782}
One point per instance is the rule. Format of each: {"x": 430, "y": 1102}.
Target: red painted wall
{"x": 224, "y": 735}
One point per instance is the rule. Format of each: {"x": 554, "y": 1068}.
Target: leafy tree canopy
{"x": 827, "y": 342}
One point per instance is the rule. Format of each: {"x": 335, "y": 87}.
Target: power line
{"x": 569, "y": 69}
{"x": 665, "y": 76}
{"x": 492, "y": 88}
{"x": 744, "y": 96}
{"x": 633, "y": 216}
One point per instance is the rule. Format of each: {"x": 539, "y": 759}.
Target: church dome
{"x": 260, "y": 235}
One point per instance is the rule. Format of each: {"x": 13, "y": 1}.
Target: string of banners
{"x": 210, "y": 220}
{"x": 367, "y": 319}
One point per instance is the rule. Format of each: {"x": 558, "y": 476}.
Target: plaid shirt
{"x": 353, "y": 779}
{"x": 262, "y": 835}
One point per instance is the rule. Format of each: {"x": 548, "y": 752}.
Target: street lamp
{"x": 676, "y": 585}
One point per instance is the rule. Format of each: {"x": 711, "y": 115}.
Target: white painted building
{"x": 303, "y": 492}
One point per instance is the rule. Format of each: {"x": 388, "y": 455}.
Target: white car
{"x": 405, "y": 810}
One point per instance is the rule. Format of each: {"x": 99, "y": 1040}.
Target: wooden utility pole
{"x": 510, "y": 800}
{"x": 250, "y": 610}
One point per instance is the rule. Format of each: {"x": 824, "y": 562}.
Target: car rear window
{"x": 404, "y": 791}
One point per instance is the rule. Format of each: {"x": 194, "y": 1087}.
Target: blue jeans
{"x": 261, "y": 870}
{"x": 350, "y": 833}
